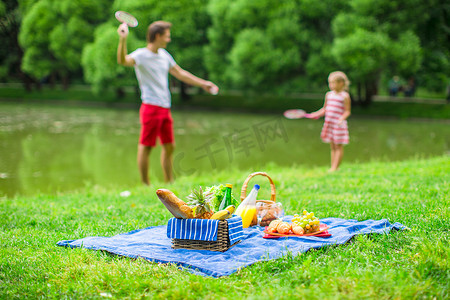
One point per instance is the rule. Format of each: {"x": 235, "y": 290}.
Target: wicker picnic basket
{"x": 273, "y": 210}
{"x": 222, "y": 244}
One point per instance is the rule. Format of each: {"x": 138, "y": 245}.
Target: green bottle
{"x": 227, "y": 198}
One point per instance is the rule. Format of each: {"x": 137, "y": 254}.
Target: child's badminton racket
{"x": 297, "y": 114}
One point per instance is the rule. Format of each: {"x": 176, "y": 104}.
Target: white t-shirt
{"x": 152, "y": 72}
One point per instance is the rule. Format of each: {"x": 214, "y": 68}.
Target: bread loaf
{"x": 176, "y": 206}
{"x": 273, "y": 226}
{"x": 284, "y": 227}
{"x": 297, "y": 229}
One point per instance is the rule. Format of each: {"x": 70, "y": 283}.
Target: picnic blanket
{"x": 152, "y": 244}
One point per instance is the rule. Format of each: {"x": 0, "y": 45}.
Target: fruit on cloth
{"x": 176, "y": 206}
{"x": 301, "y": 224}
{"x": 199, "y": 202}
{"x": 283, "y": 227}
{"x": 221, "y": 215}
{"x": 307, "y": 221}
{"x": 231, "y": 209}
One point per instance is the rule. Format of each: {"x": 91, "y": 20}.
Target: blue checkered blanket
{"x": 153, "y": 245}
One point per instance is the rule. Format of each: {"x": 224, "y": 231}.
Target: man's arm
{"x": 191, "y": 79}
{"x": 122, "y": 57}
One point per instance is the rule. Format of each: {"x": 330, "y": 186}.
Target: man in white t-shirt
{"x": 152, "y": 65}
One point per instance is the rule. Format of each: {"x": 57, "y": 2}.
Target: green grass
{"x": 408, "y": 264}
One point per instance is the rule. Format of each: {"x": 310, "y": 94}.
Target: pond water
{"x": 50, "y": 149}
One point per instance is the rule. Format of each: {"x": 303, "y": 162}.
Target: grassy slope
{"x": 405, "y": 264}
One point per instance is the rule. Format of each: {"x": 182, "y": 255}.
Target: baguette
{"x": 176, "y": 206}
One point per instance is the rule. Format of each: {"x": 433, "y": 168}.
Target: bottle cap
{"x": 256, "y": 186}
{"x": 229, "y": 185}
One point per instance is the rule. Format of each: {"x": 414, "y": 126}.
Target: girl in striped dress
{"x": 336, "y": 110}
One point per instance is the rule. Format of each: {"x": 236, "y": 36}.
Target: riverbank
{"x": 407, "y": 264}
{"x": 81, "y": 96}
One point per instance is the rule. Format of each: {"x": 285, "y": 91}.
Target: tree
{"x": 433, "y": 29}
{"x": 376, "y": 37}
{"x": 267, "y": 45}
{"x": 99, "y": 60}
{"x": 53, "y": 34}
{"x": 11, "y": 53}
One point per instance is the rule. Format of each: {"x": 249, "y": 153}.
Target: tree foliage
{"x": 259, "y": 45}
{"x": 54, "y": 32}
{"x": 269, "y": 45}
{"x": 375, "y": 37}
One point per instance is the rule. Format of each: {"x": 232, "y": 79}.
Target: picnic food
{"x": 273, "y": 226}
{"x": 221, "y": 215}
{"x": 283, "y": 227}
{"x": 247, "y": 208}
{"x": 267, "y": 211}
{"x": 227, "y": 199}
{"x": 219, "y": 192}
{"x": 199, "y": 203}
{"x": 301, "y": 224}
{"x": 307, "y": 221}
{"x": 231, "y": 209}
{"x": 297, "y": 229}
{"x": 177, "y": 207}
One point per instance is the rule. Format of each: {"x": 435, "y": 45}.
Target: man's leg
{"x": 143, "y": 162}
{"x": 167, "y": 161}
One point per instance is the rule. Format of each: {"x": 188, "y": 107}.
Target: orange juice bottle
{"x": 248, "y": 215}
{"x": 247, "y": 209}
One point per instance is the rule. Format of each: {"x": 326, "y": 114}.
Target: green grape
{"x": 305, "y": 212}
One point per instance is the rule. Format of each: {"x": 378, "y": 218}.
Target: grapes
{"x": 307, "y": 221}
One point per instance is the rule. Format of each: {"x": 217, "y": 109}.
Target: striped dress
{"x": 334, "y": 109}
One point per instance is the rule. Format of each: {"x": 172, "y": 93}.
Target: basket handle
{"x": 244, "y": 186}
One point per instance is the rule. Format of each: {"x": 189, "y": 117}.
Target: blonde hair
{"x": 338, "y": 75}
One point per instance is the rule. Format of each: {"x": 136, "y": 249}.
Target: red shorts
{"x": 156, "y": 122}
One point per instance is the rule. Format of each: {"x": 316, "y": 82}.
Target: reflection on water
{"x": 45, "y": 149}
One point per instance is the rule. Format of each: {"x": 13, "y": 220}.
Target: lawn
{"x": 406, "y": 264}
